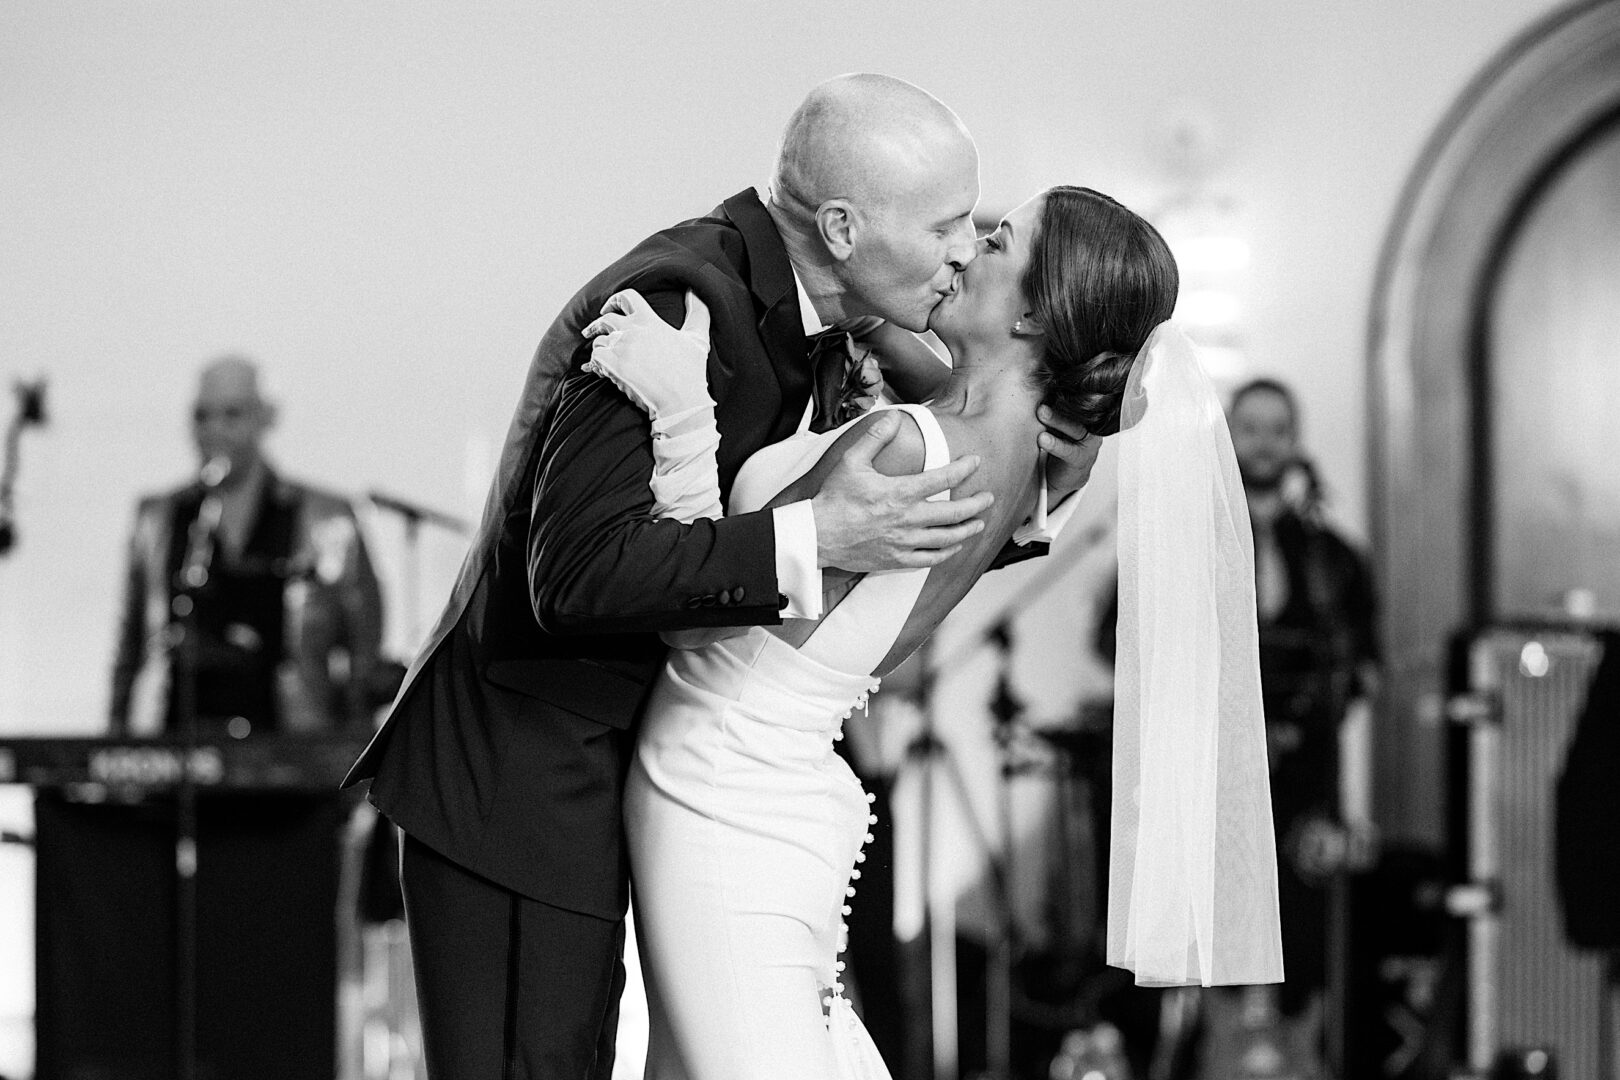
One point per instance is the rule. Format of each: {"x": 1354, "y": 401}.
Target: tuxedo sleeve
{"x": 600, "y": 562}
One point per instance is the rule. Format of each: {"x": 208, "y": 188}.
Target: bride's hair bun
{"x": 1093, "y": 400}
{"x": 1100, "y": 278}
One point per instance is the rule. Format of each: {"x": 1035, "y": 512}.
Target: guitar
{"x": 1248, "y": 1038}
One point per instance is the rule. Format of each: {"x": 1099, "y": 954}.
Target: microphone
{"x": 214, "y": 471}
{"x": 30, "y": 402}
{"x": 200, "y": 538}
{"x": 1301, "y": 487}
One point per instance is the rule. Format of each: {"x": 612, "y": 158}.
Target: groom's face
{"x": 909, "y": 250}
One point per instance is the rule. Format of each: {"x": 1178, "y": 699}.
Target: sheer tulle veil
{"x": 1193, "y": 865}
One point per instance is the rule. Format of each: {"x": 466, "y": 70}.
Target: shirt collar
{"x": 807, "y": 310}
{"x": 813, "y": 323}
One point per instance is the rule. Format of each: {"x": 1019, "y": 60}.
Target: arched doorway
{"x": 1548, "y": 383}
{"x": 1494, "y": 352}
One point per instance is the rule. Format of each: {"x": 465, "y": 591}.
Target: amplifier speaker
{"x": 1527, "y": 985}
{"x": 267, "y": 890}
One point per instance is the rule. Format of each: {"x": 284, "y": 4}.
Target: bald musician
{"x": 290, "y": 620}
{"x": 504, "y": 758}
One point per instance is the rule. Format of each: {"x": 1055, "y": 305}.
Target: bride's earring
{"x": 1027, "y": 327}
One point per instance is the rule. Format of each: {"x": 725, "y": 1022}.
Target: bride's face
{"x": 989, "y": 297}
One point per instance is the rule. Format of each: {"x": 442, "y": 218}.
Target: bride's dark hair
{"x": 1099, "y": 279}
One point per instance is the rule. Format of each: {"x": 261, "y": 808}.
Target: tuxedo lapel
{"x": 770, "y": 277}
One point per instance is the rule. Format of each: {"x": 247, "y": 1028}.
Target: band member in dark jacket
{"x": 1318, "y": 655}
{"x": 289, "y": 590}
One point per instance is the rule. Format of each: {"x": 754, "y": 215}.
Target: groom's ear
{"x": 836, "y": 225}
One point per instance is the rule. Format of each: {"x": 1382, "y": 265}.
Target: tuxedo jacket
{"x": 507, "y": 745}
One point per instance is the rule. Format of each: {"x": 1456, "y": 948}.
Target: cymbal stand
{"x": 939, "y": 917}
{"x": 927, "y": 747}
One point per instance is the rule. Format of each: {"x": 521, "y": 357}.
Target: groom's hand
{"x": 866, "y": 521}
{"x": 1069, "y": 454}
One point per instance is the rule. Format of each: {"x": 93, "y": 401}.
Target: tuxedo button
{"x": 781, "y": 601}
{"x": 737, "y": 595}
{"x": 725, "y": 597}
{"x": 709, "y": 600}
{"x": 695, "y": 602}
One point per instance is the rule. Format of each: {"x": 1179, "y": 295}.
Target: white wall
{"x": 386, "y": 203}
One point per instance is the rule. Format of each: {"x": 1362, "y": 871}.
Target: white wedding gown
{"x": 745, "y": 828}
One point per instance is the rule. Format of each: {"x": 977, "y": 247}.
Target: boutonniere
{"x": 863, "y": 382}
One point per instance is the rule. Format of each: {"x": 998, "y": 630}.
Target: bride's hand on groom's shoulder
{"x": 663, "y": 369}
{"x": 1070, "y": 454}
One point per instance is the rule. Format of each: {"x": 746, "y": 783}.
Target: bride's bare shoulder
{"x": 904, "y": 454}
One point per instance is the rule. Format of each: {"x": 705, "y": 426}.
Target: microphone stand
{"x": 189, "y": 584}
{"x": 389, "y": 1013}
{"x": 413, "y": 515}
{"x": 30, "y": 410}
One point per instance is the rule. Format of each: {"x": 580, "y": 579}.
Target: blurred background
{"x": 1407, "y": 213}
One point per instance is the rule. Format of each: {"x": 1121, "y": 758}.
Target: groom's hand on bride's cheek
{"x": 1070, "y": 455}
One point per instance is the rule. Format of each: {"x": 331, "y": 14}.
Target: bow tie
{"x": 829, "y": 367}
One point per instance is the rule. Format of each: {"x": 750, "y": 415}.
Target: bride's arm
{"x": 911, "y": 369}
{"x": 685, "y": 480}
{"x": 673, "y": 392}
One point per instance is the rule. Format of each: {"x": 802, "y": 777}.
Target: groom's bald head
{"x": 867, "y": 137}
{"x": 875, "y": 185}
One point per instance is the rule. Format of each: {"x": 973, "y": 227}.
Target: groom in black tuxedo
{"x": 504, "y": 756}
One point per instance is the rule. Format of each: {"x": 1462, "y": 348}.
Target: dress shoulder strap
{"x": 857, "y": 634}
{"x": 936, "y": 452}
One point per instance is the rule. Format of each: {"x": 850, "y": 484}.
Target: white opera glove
{"x": 664, "y": 372}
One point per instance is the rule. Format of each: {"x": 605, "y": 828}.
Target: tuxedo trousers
{"x": 509, "y": 988}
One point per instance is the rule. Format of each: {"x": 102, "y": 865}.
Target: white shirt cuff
{"x": 1046, "y": 525}
{"x": 798, "y": 577}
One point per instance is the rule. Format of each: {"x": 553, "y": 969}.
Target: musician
{"x": 289, "y": 620}
{"x": 1318, "y": 668}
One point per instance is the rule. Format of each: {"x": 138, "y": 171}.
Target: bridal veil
{"x": 1193, "y": 865}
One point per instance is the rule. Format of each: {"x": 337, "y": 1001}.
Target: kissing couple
{"x": 697, "y": 559}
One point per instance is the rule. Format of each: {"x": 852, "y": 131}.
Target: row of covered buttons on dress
{"x": 862, "y": 702}
{"x": 849, "y": 894}
{"x": 860, "y": 856}
{"x": 724, "y": 598}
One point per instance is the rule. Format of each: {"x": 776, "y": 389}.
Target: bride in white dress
{"x": 745, "y": 828}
